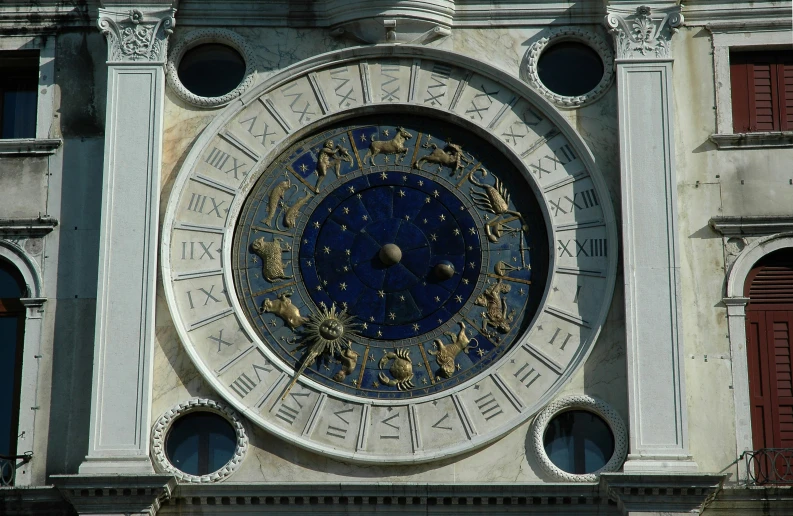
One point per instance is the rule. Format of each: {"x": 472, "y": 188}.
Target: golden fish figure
{"x": 290, "y": 216}
{"x": 276, "y": 195}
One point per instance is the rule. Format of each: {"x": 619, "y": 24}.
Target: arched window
{"x": 769, "y": 324}
{"x": 12, "y": 328}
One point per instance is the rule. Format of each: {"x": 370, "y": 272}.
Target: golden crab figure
{"x": 327, "y": 332}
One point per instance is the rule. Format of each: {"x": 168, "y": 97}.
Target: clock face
{"x": 421, "y": 250}
{"x": 388, "y": 256}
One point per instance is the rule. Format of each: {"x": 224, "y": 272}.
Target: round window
{"x": 211, "y": 70}
{"x": 570, "y": 68}
{"x": 200, "y": 443}
{"x": 578, "y": 442}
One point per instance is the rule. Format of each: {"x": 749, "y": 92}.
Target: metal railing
{"x": 769, "y": 466}
{"x": 9, "y": 465}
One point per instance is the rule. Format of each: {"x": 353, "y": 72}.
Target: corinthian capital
{"x": 644, "y": 32}
{"x": 136, "y": 34}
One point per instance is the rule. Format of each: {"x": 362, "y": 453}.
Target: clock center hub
{"x": 390, "y": 254}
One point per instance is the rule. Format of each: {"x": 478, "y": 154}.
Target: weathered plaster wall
{"x": 603, "y": 375}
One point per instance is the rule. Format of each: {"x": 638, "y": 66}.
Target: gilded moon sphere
{"x": 444, "y": 270}
{"x": 331, "y": 329}
{"x": 390, "y": 254}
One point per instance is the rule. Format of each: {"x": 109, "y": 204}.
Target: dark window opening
{"x": 211, "y": 70}
{"x": 762, "y": 91}
{"x": 578, "y": 442}
{"x": 12, "y": 326}
{"x": 570, "y": 68}
{"x": 19, "y": 78}
{"x": 200, "y": 443}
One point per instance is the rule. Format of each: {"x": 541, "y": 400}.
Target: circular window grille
{"x": 162, "y": 428}
{"x": 211, "y": 41}
{"x": 559, "y": 41}
{"x": 586, "y": 403}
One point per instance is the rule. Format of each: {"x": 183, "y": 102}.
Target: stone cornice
{"x": 136, "y": 35}
{"x": 115, "y": 494}
{"x": 752, "y": 226}
{"x": 29, "y": 227}
{"x": 29, "y": 146}
{"x": 643, "y": 32}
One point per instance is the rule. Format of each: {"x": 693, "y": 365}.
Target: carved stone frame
{"x": 589, "y": 404}
{"x": 163, "y": 425}
{"x": 587, "y": 37}
{"x": 201, "y": 36}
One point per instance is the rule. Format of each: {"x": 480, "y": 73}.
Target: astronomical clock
{"x": 389, "y": 257}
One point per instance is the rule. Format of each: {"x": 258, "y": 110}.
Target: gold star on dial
{"x": 379, "y": 333}
{"x": 375, "y": 385}
{"x": 347, "y": 252}
{"x": 363, "y": 137}
{"x": 436, "y": 193}
{"x": 472, "y": 231}
{"x": 351, "y": 189}
{"x": 459, "y": 367}
{"x": 359, "y": 196}
{"x": 308, "y": 262}
{"x": 424, "y": 381}
{"x": 346, "y": 210}
{"x": 383, "y": 175}
{"x": 427, "y": 200}
{"x": 346, "y": 269}
{"x": 326, "y": 249}
{"x": 465, "y": 281}
{"x": 407, "y": 217}
{"x": 343, "y": 227}
{"x": 303, "y": 167}
{"x": 343, "y": 286}
{"x": 316, "y": 225}
{"x": 480, "y": 352}
{"x": 433, "y": 237}
{"x": 442, "y": 217}
{"x": 385, "y": 132}
{"x": 437, "y": 299}
{"x": 458, "y": 298}
{"x": 472, "y": 265}
{"x": 366, "y": 217}
{"x": 456, "y": 231}
{"x": 365, "y": 326}
{"x": 421, "y": 183}
{"x": 319, "y": 287}
{"x": 380, "y": 293}
{"x": 391, "y": 315}
{"x": 415, "y": 327}
{"x": 401, "y": 193}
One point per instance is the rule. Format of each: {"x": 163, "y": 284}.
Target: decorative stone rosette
{"x": 589, "y": 404}
{"x": 163, "y": 425}
{"x": 199, "y": 37}
{"x": 557, "y": 35}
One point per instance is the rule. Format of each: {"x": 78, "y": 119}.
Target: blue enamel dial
{"x": 390, "y": 260}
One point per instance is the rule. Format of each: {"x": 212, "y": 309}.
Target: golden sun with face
{"x": 327, "y": 332}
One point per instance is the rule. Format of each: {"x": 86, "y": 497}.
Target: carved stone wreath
{"x": 163, "y": 425}
{"x": 590, "y": 404}
{"x": 202, "y": 36}
{"x": 557, "y": 35}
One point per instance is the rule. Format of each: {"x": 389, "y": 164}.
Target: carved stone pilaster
{"x": 136, "y": 35}
{"x": 645, "y": 33}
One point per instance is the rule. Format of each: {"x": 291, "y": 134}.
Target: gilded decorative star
{"x": 343, "y": 227}
{"x": 371, "y": 319}
{"x": 363, "y": 137}
{"x": 440, "y": 321}
{"x": 346, "y": 210}
{"x": 458, "y": 298}
{"x": 322, "y": 304}
{"x": 391, "y": 315}
{"x": 380, "y": 293}
{"x": 305, "y": 240}
{"x": 404, "y": 178}
{"x": 347, "y": 252}
{"x": 303, "y": 167}
{"x": 437, "y": 299}
{"x": 351, "y": 189}
{"x": 383, "y": 175}
{"x": 343, "y": 286}
{"x": 433, "y": 237}
{"x": 326, "y": 249}
{"x": 415, "y": 327}
{"x": 375, "y": 385}
{"x": 407, "y": 217}
{"x": 456, "y": 231}
{"x": 316, "y": 224}
{"x": 465, "y": 281}
{"x": 401, "y": 298}
{"x": 254, "y": 259}
{"x": 319, "y": 287}
{"x": 472, "y": 265}
{"x": 459, "y": 367}
{"x": 346, "y": 269}
{"x": 436, "y": 193}
{"x": 365, "y": 326}
{"x": 425, "y": 221}
{"x": 401, "y": 193}
{"x": 427, "y": 200}
{"x": 385, "y": 132}
{"x": 387, "y": 159}
{"x": 355, "y": 382}
{"x": 421, "y": 183}
{"x": 480, "y": 352}
{"x": 273, "y": 323}
{"x": 522, "y": 292}
{"x": 308, "y": 262}
{"x": 424, "y": 381}
{"x": 472, "y": 231}
{"x": 324, "y": 282}
{"x": 371, "y": 358}
{"x": 366, "y": 217}
{"x": 344, "y": 305}
{"x": 379, "y": 333}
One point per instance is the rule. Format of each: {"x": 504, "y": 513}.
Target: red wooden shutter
{"x": 762, "y": 91}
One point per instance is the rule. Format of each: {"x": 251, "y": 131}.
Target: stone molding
{"x": 31, "y": 227}
{"x": 198, "y": 37}
{"x": 661, "y": 494}
{"x": 752, "y": 225}
{"x": 163, "y": 425}
{"x": 29, "y": 146}
{"x": 753, "y": 140}
{"x": 115, "y": 494}
{"x": 589, "y": 404}
{"x": 645, "y": 33}
{"x": 557, "y": 35}
{"x": 135, "y": 35}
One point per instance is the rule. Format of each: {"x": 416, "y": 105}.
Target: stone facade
{"x": 90, "y": 204}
